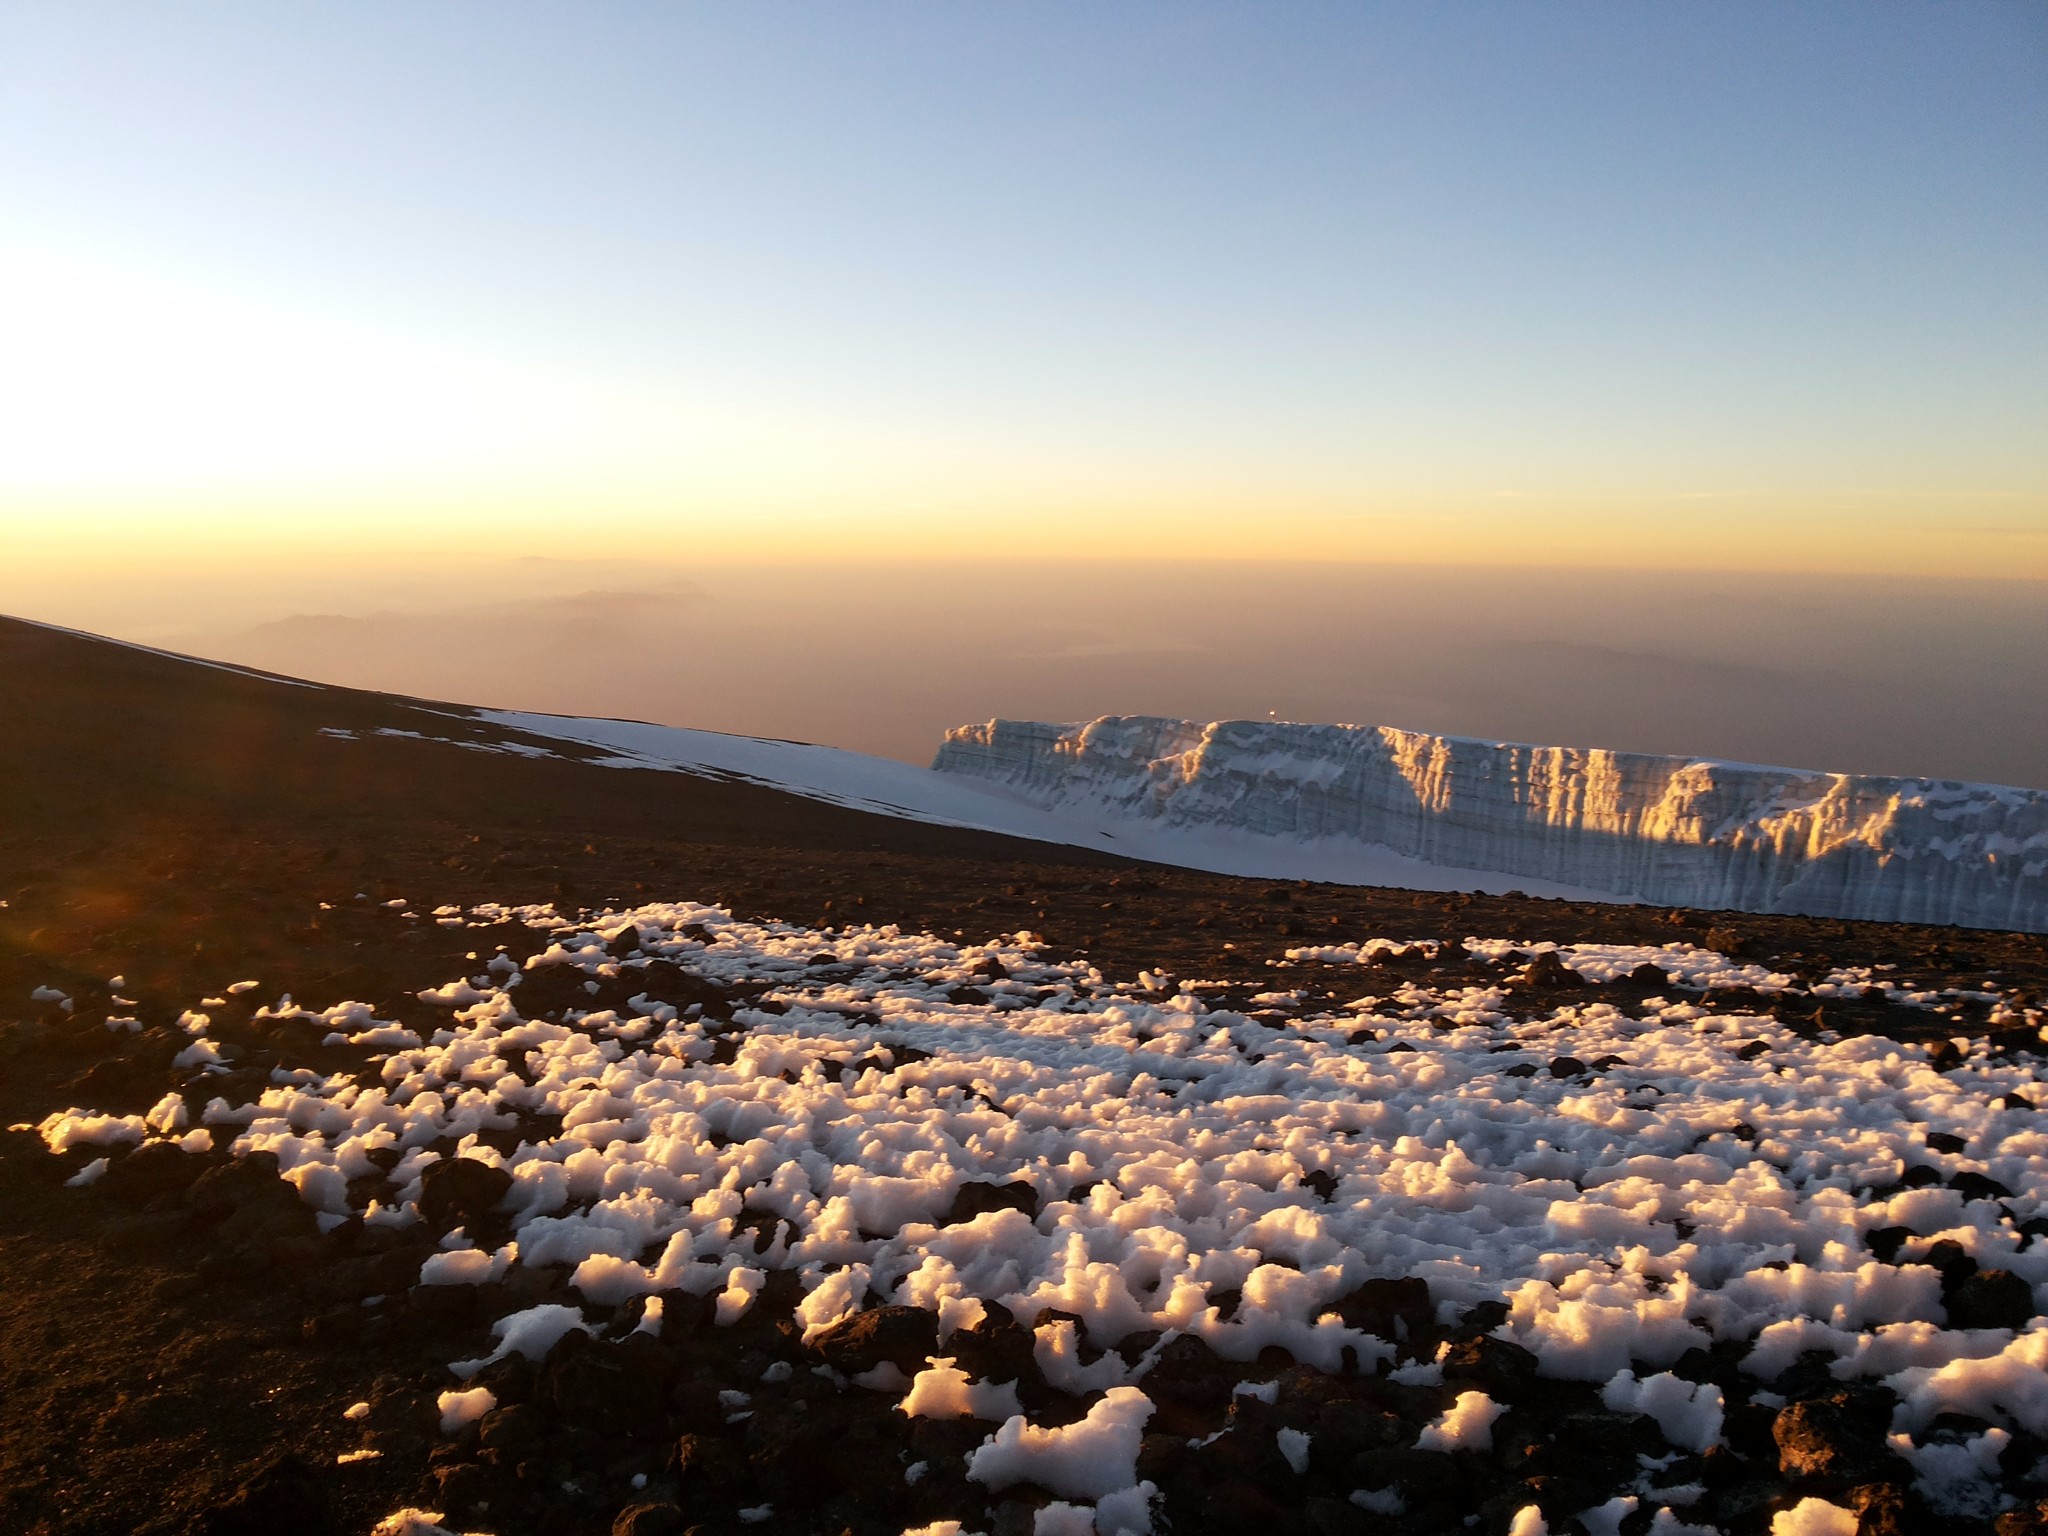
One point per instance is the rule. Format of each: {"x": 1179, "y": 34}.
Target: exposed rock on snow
{"x": 1673, "y": 830}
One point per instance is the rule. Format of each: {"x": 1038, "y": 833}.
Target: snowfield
{"x": 955, "y": 799}
{"x": 719, "y": 1100}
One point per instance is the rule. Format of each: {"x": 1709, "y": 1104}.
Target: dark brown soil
{"x": 180, "y": 826}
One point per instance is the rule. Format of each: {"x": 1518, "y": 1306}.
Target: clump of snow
{"x": 1665, "y": 1523}
{"x": 459, "y": 1408}
{"x": 942, "y": 1391}
{"x": 91, "y": 1173}
{"x": 414, "y": 1522}
{"x": 1060, "y": 1518}
{"x": 169, "y": 1115}
{"x": 467, "y": 1266}
{"x": 1091, "y": 1459}
{"x": 2008, "y": 1387}
{"x": 1420, "y": 1373}
{"x": 741, "y": 1287}
{"x": 836, "y": 1296}
{"x": 1056, "y": 1346}
{"x": 1959, "y": 1480}
{"x": 77, "y": 1128}
{"x": 531, "y": 1333}
{"x": 1814, "y": 1517}
{"x": 1467, "y": 1425}
{"x": 200, "y": 1053}
{"x": 886, "y": 1377}
{"x": 1605, "y": 1519}
{"x": 1127, "y": 1512}
{"x": 1688, "y": 1413}
{"x": 1293, "y": 1445}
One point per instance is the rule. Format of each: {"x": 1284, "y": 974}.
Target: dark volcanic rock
{"x": 156, "y": 1168}
{"x": 282, "y": 1495}
{"x": 1977, "y": 1186}
{"x": 1991, "y": 1298}
{"x": 614, "y": 1387}
{"x": 458, "y": 1191}
{"x": 997, "y": 1349}
{"x": 512, "y": 1431}
{"x": 1390, "y": 1309}
{"x": 1498, "y": 1367}
{"x": 1837, "y": 1441}
{"x": 715, "y": 1467}
{"x": 649, "y": 1520}
{"x": 463, "y": 1487}
{"x": 1189, "y": 1374}
{"x": 2027, "y": 1520}
{"x": 1884, "y": 1509}
{"x": 903, "y": 1336}
{"x": 792, "y": 1452}
{"x": 978, "y": 1197}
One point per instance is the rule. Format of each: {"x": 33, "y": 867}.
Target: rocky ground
{"x": 185, "y": 1349}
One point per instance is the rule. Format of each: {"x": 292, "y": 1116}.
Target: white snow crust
{"x": 1671, "y": 830}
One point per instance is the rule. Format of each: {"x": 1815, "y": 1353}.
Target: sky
{"x": 347, "y": 311}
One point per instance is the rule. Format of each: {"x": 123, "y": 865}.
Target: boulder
{"x": 903, "y": 1336}
{"x": 1500, "y": 1368}
{"x": 1837, "y": 1441}
{"x": 1991, "y": 1298}
{"x": 459, "y": 1191}
{"x": 978, "y": 1197}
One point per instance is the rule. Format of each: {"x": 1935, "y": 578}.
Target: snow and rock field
{"x": 732, "y": 1224}
{"x": 550, "y": 1202}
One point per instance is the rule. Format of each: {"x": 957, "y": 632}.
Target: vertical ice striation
{"x": 1672, "y": 830}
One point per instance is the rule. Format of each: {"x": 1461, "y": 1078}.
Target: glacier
{"x": 1675, "y": 831}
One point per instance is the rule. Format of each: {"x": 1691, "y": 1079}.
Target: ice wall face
{"x": 1670, "y": 830}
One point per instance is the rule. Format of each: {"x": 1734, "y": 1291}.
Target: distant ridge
{"x": 1671, "y": 830}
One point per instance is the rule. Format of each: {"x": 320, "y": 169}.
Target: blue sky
{"x": 1761, "y": 282}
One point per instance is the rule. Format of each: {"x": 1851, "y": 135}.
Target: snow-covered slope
{"x": 889, "y": 788}
{"x": 1683, "y": 831}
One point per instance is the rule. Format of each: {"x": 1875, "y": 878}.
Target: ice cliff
{"x": 1670, "y": 830}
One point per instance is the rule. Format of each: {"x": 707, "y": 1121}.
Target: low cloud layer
{"x": 1861, "y": 675}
